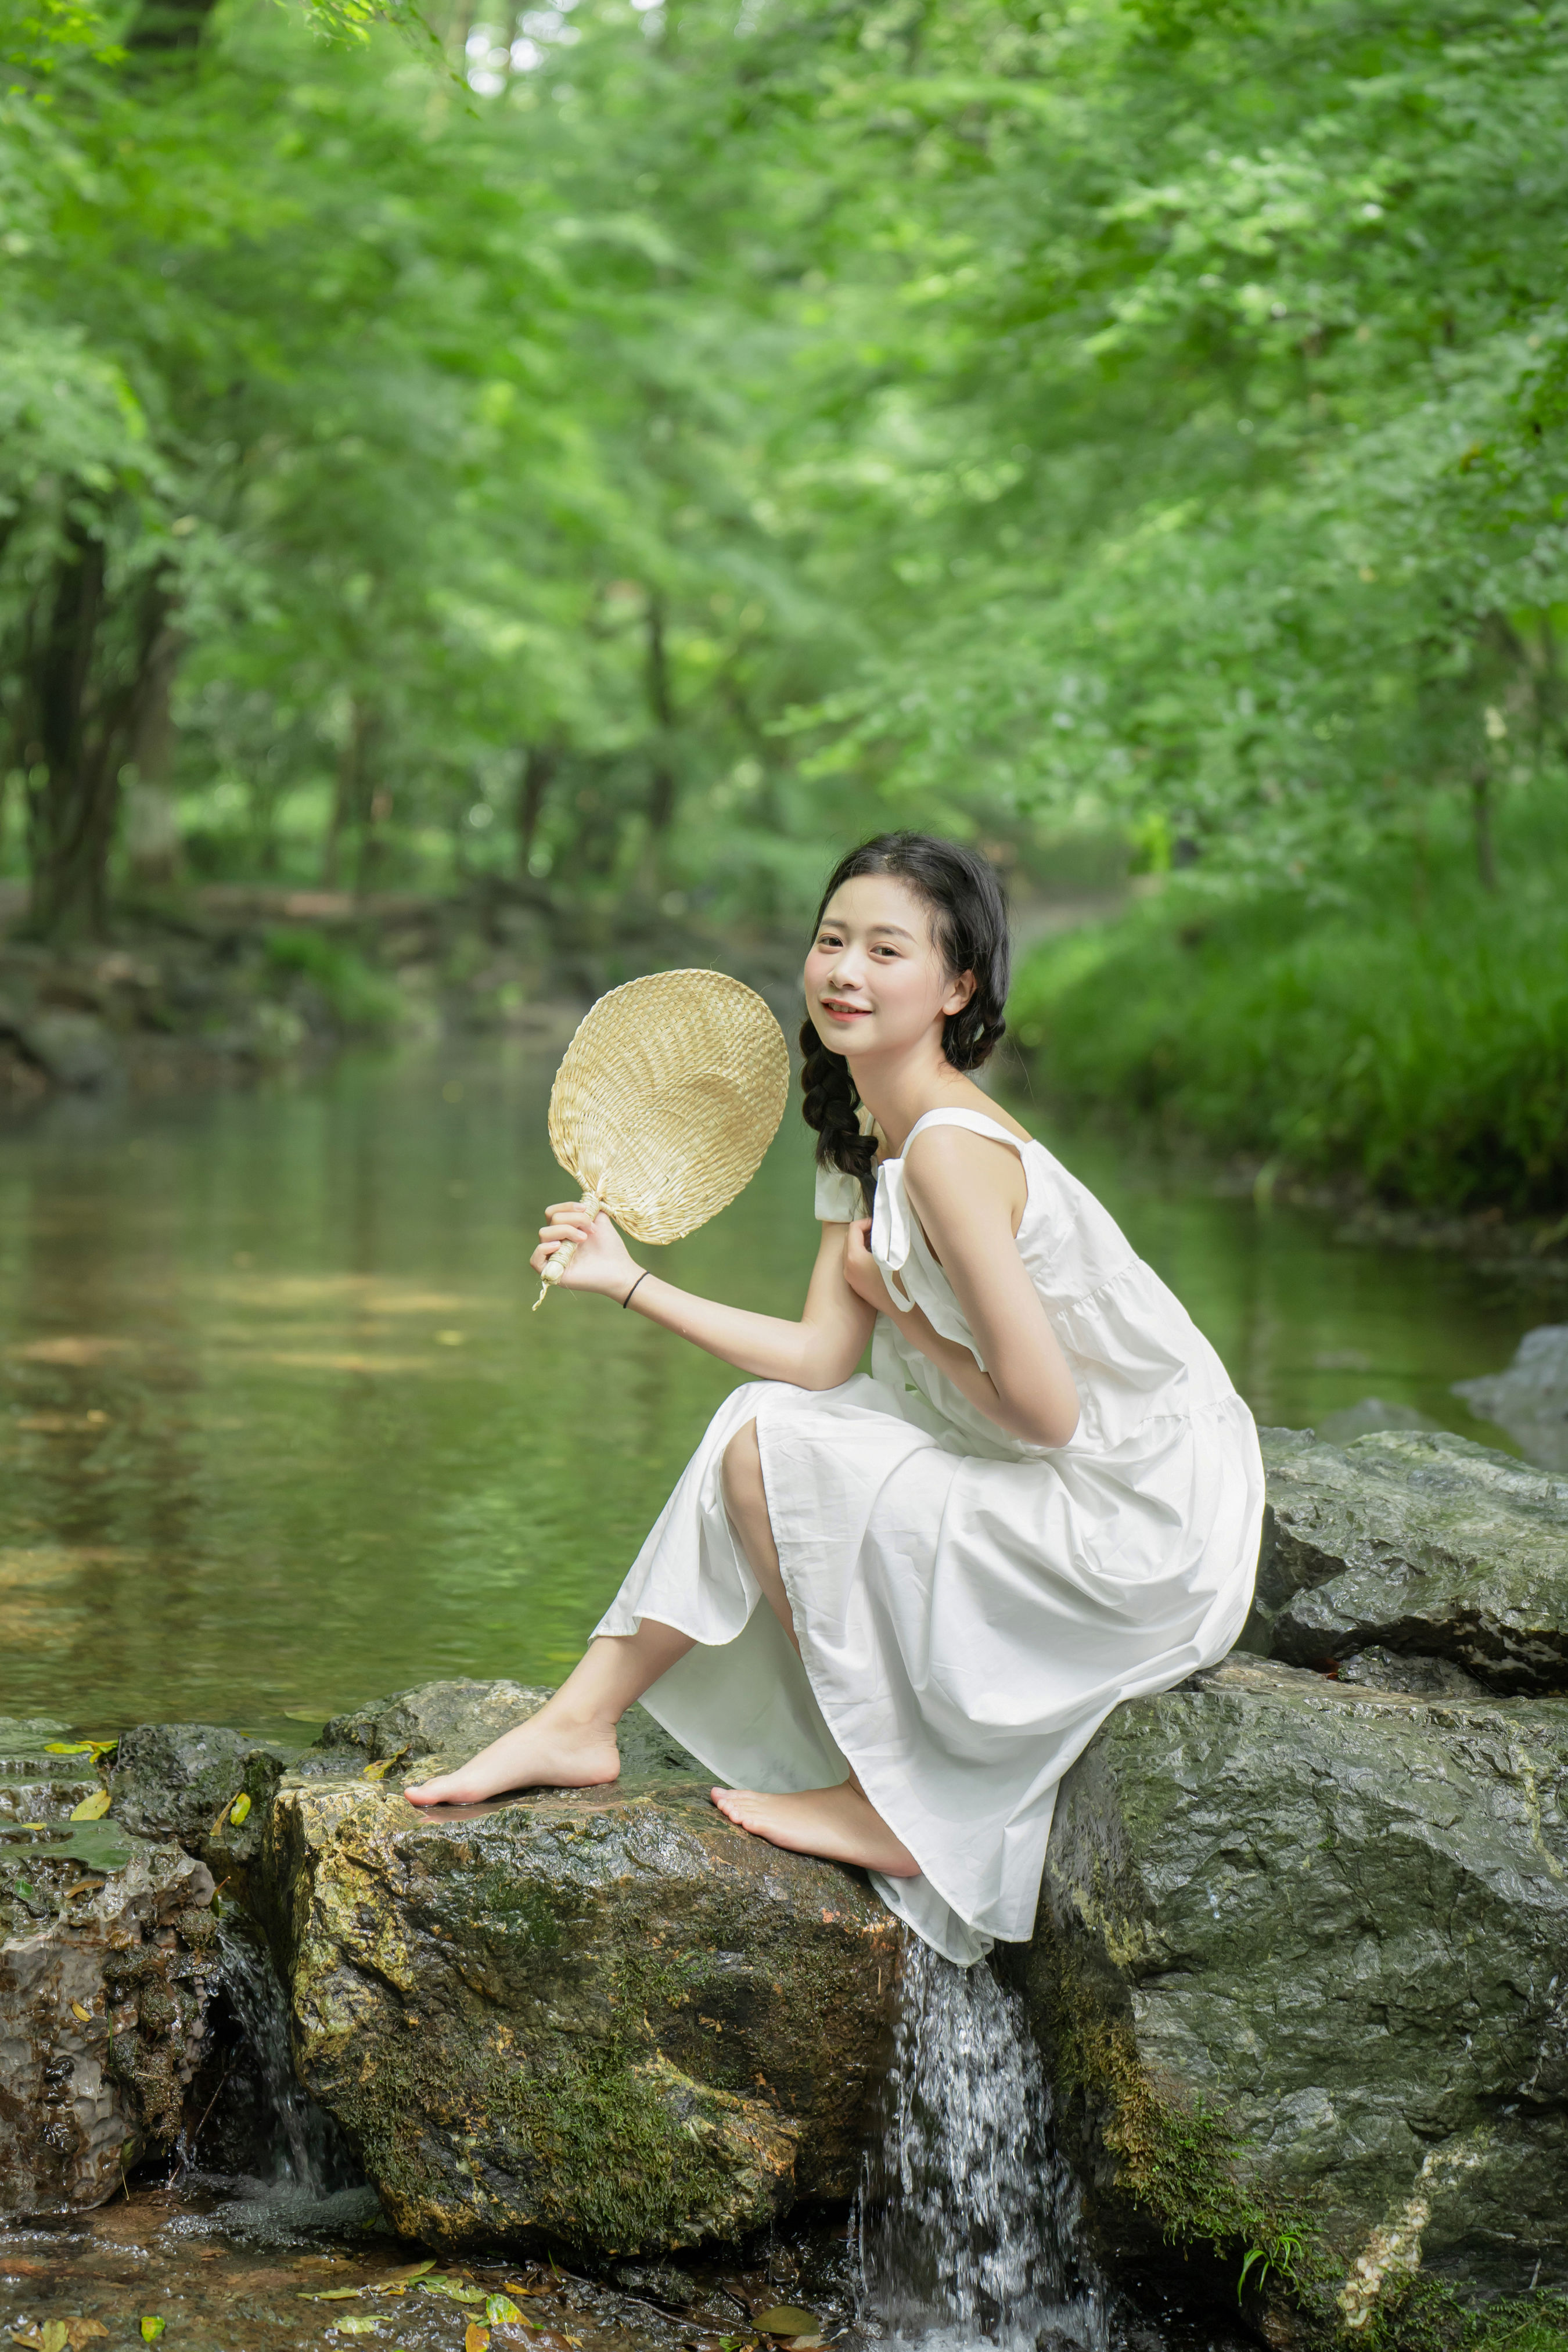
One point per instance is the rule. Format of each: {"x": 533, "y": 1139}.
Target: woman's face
{"x": 875, "y": 980}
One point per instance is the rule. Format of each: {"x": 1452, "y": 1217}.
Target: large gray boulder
{"x": 107, "y": 1967}
{"x": 1530, "y": 1399}
{"x": 1300, "y": 1977}
{"x": 603, "y": 2015}
{"x": 1413, "y": 1541}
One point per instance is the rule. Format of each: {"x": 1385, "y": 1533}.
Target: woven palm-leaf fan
{"x": 666, "y": 1101}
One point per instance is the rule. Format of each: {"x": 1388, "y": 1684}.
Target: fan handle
{"x": 554, "y": 1267}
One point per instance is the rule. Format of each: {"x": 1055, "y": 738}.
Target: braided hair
{"x": 969, "y": 923}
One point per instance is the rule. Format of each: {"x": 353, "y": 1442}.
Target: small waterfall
{"x": 302, "y": 2147}
{"x": 969, "y": 2217}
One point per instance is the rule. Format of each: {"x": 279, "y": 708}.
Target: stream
{"x": 279, "y": 1433}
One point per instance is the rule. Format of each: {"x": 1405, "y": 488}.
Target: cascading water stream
{"x": 301, "y": 2134}
{"x": 969, "y": 2216}
{"x": 262, "y": 2135}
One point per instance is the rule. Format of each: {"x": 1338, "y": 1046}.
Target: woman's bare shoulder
{"x": 949, "y": 1164}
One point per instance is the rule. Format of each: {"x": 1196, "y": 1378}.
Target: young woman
{"x": 898, "y": 1607}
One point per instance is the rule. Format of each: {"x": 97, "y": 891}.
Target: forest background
{"x": 637, "y": 449}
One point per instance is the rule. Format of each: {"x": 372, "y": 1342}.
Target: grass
{"x": 1412, "y": 1031}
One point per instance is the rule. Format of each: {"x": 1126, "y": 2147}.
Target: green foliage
{"x": 357, "y": 996}
{"x": 1404, "y": 1035}
{"x": 1420, "y": 2315}
{"x": 644, "y": 448}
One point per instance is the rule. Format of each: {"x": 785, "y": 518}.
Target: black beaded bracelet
{"x": 632, "y": 1291}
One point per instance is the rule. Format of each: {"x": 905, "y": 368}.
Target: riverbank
{"x": 1399, "y": 1040}
{"x": 217, "y": 983}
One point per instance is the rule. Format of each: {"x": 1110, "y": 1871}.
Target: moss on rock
{"x": 604, "y": 2016}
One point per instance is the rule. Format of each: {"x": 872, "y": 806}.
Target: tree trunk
{"x": 538, "y": 766}
{"x": 351, "y": 789}
{"x": 152, "y": 832}
{"x": 79, "y": 728}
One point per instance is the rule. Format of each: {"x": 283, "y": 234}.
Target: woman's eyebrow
{"x": 894, "y": 931}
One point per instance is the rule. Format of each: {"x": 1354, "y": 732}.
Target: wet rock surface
{"x": 1299, "y": 1966}
{"x": 603, "y": 2016}
{"x": 183, "y": 1780}
{"x": 1530, "y": 1399}
{"x": 1417, "y": 1542}
{"x": 106, "y": 1972}
{"x": 226, "y": 2264}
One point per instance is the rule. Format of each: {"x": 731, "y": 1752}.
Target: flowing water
{"x": 279, "y": 1433}
{"x": 969, "y": 2217}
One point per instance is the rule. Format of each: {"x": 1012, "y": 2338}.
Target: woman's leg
{"x": 746, "y": 1500}
{"x": 840, "y": 1824}
{"x": 571, "y": 1742}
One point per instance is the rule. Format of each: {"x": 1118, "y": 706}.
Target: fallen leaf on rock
{"x": 787, "y": 2319}
{"x": 379, "y": 1771}
{"x": 476, "y": 2338}
{"x": 82, "y": 2331}
{"x": 454, "y": 2289}
{"x": 330, "y": 2293}
{"x": 85, "y": 2014}
{"x": 407, "y": 2271}
{"x": 239, "y": 1810}
{"x": 361, "y": 2324}
{"x": 500, "y": 2309}
{"x": 91, "y": 1808}
{"x": 152, "y": 2328}
{"x": 83, "y": 1886}
{"x": 68, "y": 1747}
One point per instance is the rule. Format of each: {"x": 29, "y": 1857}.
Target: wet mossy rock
{"x": 1301, "y": 1979}
{"x": 107, "y": 1967}
{"x": 182, "y": 1780}
{"x": 1417, "y": 1541}
{"x": 603, "y": 2016}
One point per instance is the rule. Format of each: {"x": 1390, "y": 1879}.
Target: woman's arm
{"x": 818, "y": 1352}
{"x": 962, "y": 1190}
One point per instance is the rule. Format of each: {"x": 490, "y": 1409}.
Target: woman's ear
{"x": 960, "y": 993}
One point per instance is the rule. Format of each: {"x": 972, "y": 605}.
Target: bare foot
{"x": 548, "y": 1751}
{"x": 839, "y": 1824}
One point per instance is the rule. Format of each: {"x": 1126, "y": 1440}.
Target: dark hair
{"x": 969, "y": 922}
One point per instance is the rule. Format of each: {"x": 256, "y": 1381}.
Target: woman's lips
{"x": 837, "y": 1009}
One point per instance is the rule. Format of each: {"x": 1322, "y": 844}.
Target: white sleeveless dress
{"x": 969, "y": 1608}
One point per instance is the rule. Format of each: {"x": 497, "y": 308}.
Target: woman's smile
{"x": 841, "y": 1008}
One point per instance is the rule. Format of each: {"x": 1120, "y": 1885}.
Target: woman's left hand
{"x": 861, "y": 1271}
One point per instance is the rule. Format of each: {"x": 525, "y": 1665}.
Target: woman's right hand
{"x": 601, "y": 1260}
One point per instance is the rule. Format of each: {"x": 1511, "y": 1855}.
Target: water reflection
{"x": 277, "y": 1433}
